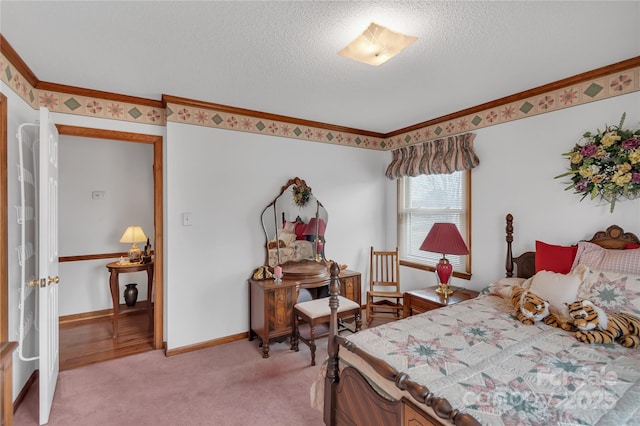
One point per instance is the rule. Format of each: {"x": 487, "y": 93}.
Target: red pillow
{"x": 631, "y": 246}
{"x": 300, "y": 231}
{"x": 554, "y": 258}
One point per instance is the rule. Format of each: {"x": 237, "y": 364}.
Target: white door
{"x": 48, "y": 262}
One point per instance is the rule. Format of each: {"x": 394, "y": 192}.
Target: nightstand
{"x": 419, "y": 301}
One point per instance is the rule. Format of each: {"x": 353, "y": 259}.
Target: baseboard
{"x": 208, "y": 344}
{"x": 25, "y": 389}
{"x": 142, "y": 306}
{"x": 97, "y": 315}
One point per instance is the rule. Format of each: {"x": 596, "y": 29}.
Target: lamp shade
{"x": 444, "y": 238}
{"x": 316, "y": 226}
{"x": 133, "y": 234}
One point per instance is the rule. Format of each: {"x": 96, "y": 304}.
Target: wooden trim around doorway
{"x": 4, "y": 239}
{"x": 156, "y": 141}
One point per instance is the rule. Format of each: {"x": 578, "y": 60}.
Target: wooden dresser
{"x": 271, "y": 304}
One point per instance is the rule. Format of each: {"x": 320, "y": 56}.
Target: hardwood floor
{"x": 90, "y": 340}
{"x": 87, "y": 341}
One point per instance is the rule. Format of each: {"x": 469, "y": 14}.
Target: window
{"x": 424, "y": 200}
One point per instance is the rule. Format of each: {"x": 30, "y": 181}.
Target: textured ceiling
{"x": 281, "y": 57}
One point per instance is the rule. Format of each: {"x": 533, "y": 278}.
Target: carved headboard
{"x": 613, "y": 238}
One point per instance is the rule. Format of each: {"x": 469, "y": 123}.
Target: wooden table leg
{"x": 115, "y": 296}
{"x": 149, "y": 293}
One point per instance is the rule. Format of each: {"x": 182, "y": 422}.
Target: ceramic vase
{"x": 131, "y": 294}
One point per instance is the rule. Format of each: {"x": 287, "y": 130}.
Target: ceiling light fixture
{"x": 376, "y": 45}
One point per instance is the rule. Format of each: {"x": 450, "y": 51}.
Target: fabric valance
{"x": 440, "y": 156}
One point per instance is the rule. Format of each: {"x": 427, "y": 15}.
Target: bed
{"x": 289, "y": 244}
{"x": 475, "y": 363}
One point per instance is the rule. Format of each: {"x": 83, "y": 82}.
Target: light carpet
{"x": 230, "y": 384}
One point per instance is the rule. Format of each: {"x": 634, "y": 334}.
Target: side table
{"x": 419, "y": 301}
{"x": 115, "y": 268}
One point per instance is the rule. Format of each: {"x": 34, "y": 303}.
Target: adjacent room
{"x": 320, "y": 212}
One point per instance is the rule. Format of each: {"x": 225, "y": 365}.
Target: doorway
{"x": 85, "y": 333}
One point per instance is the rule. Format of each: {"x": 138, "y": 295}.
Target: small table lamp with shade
{"x": 446, "y": 239}
{"x": 133, "y": 235}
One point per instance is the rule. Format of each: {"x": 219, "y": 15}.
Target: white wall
{"x": 124, "y": 172}
{"x": 225, "y": 179}
{"x": 518, "y": 162}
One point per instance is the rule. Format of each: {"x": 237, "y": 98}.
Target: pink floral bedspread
{"x": 488, "y": 364}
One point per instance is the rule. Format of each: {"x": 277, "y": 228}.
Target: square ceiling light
{"x": 376, "y": 45}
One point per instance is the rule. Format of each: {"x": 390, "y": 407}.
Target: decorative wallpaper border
{"x": 78, "y": 105}
{"x": 591, "y": 90}
{"x": 201, "y": 116}
{"x": 616, "y": 84}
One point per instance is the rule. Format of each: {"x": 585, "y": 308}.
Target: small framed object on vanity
{"x": 146, "y": 253}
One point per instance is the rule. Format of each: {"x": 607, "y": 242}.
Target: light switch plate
{"x": 187, "y": 219}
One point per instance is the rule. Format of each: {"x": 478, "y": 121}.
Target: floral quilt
{"x": 502, "y": 372}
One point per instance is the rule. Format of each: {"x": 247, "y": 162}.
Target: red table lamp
{"x": 316, "y": 227}
{"x": 446, "y": 239}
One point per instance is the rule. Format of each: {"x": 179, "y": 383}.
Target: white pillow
{"x": 558, "y": 289}
{"x": 287, "y": 238}
{"x": 289, "y": 227}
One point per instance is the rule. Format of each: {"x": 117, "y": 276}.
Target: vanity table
{"x": 271, "y": 304}
{"x": 294, "y": 225}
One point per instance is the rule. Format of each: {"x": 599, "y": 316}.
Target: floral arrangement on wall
{"x": 301, "y": 194}
{"x": 606, "y": 165}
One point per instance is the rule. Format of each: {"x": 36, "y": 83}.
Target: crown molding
{"x": 45, "y": 86}
{"x": 605, "y": 82}
{"x": 200, "y": 113}
{"x": 613, "y": 80}
{"x": 12, "y": 56}
{"x": 520, "y": 96}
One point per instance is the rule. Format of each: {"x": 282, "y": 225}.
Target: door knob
{"x": 43, "y": 283}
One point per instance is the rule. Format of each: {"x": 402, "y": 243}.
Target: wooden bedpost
{"x": 509, "y": 229}
{"x": 331, "y": 379}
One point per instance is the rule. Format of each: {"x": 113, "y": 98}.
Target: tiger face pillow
{"x": 531, "y": 308}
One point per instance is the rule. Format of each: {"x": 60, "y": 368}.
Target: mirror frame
{"x": 271, "y": 231}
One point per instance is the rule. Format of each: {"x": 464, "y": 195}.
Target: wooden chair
{"x": 315, "y": 312}
{"x": 384, "y": 296}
